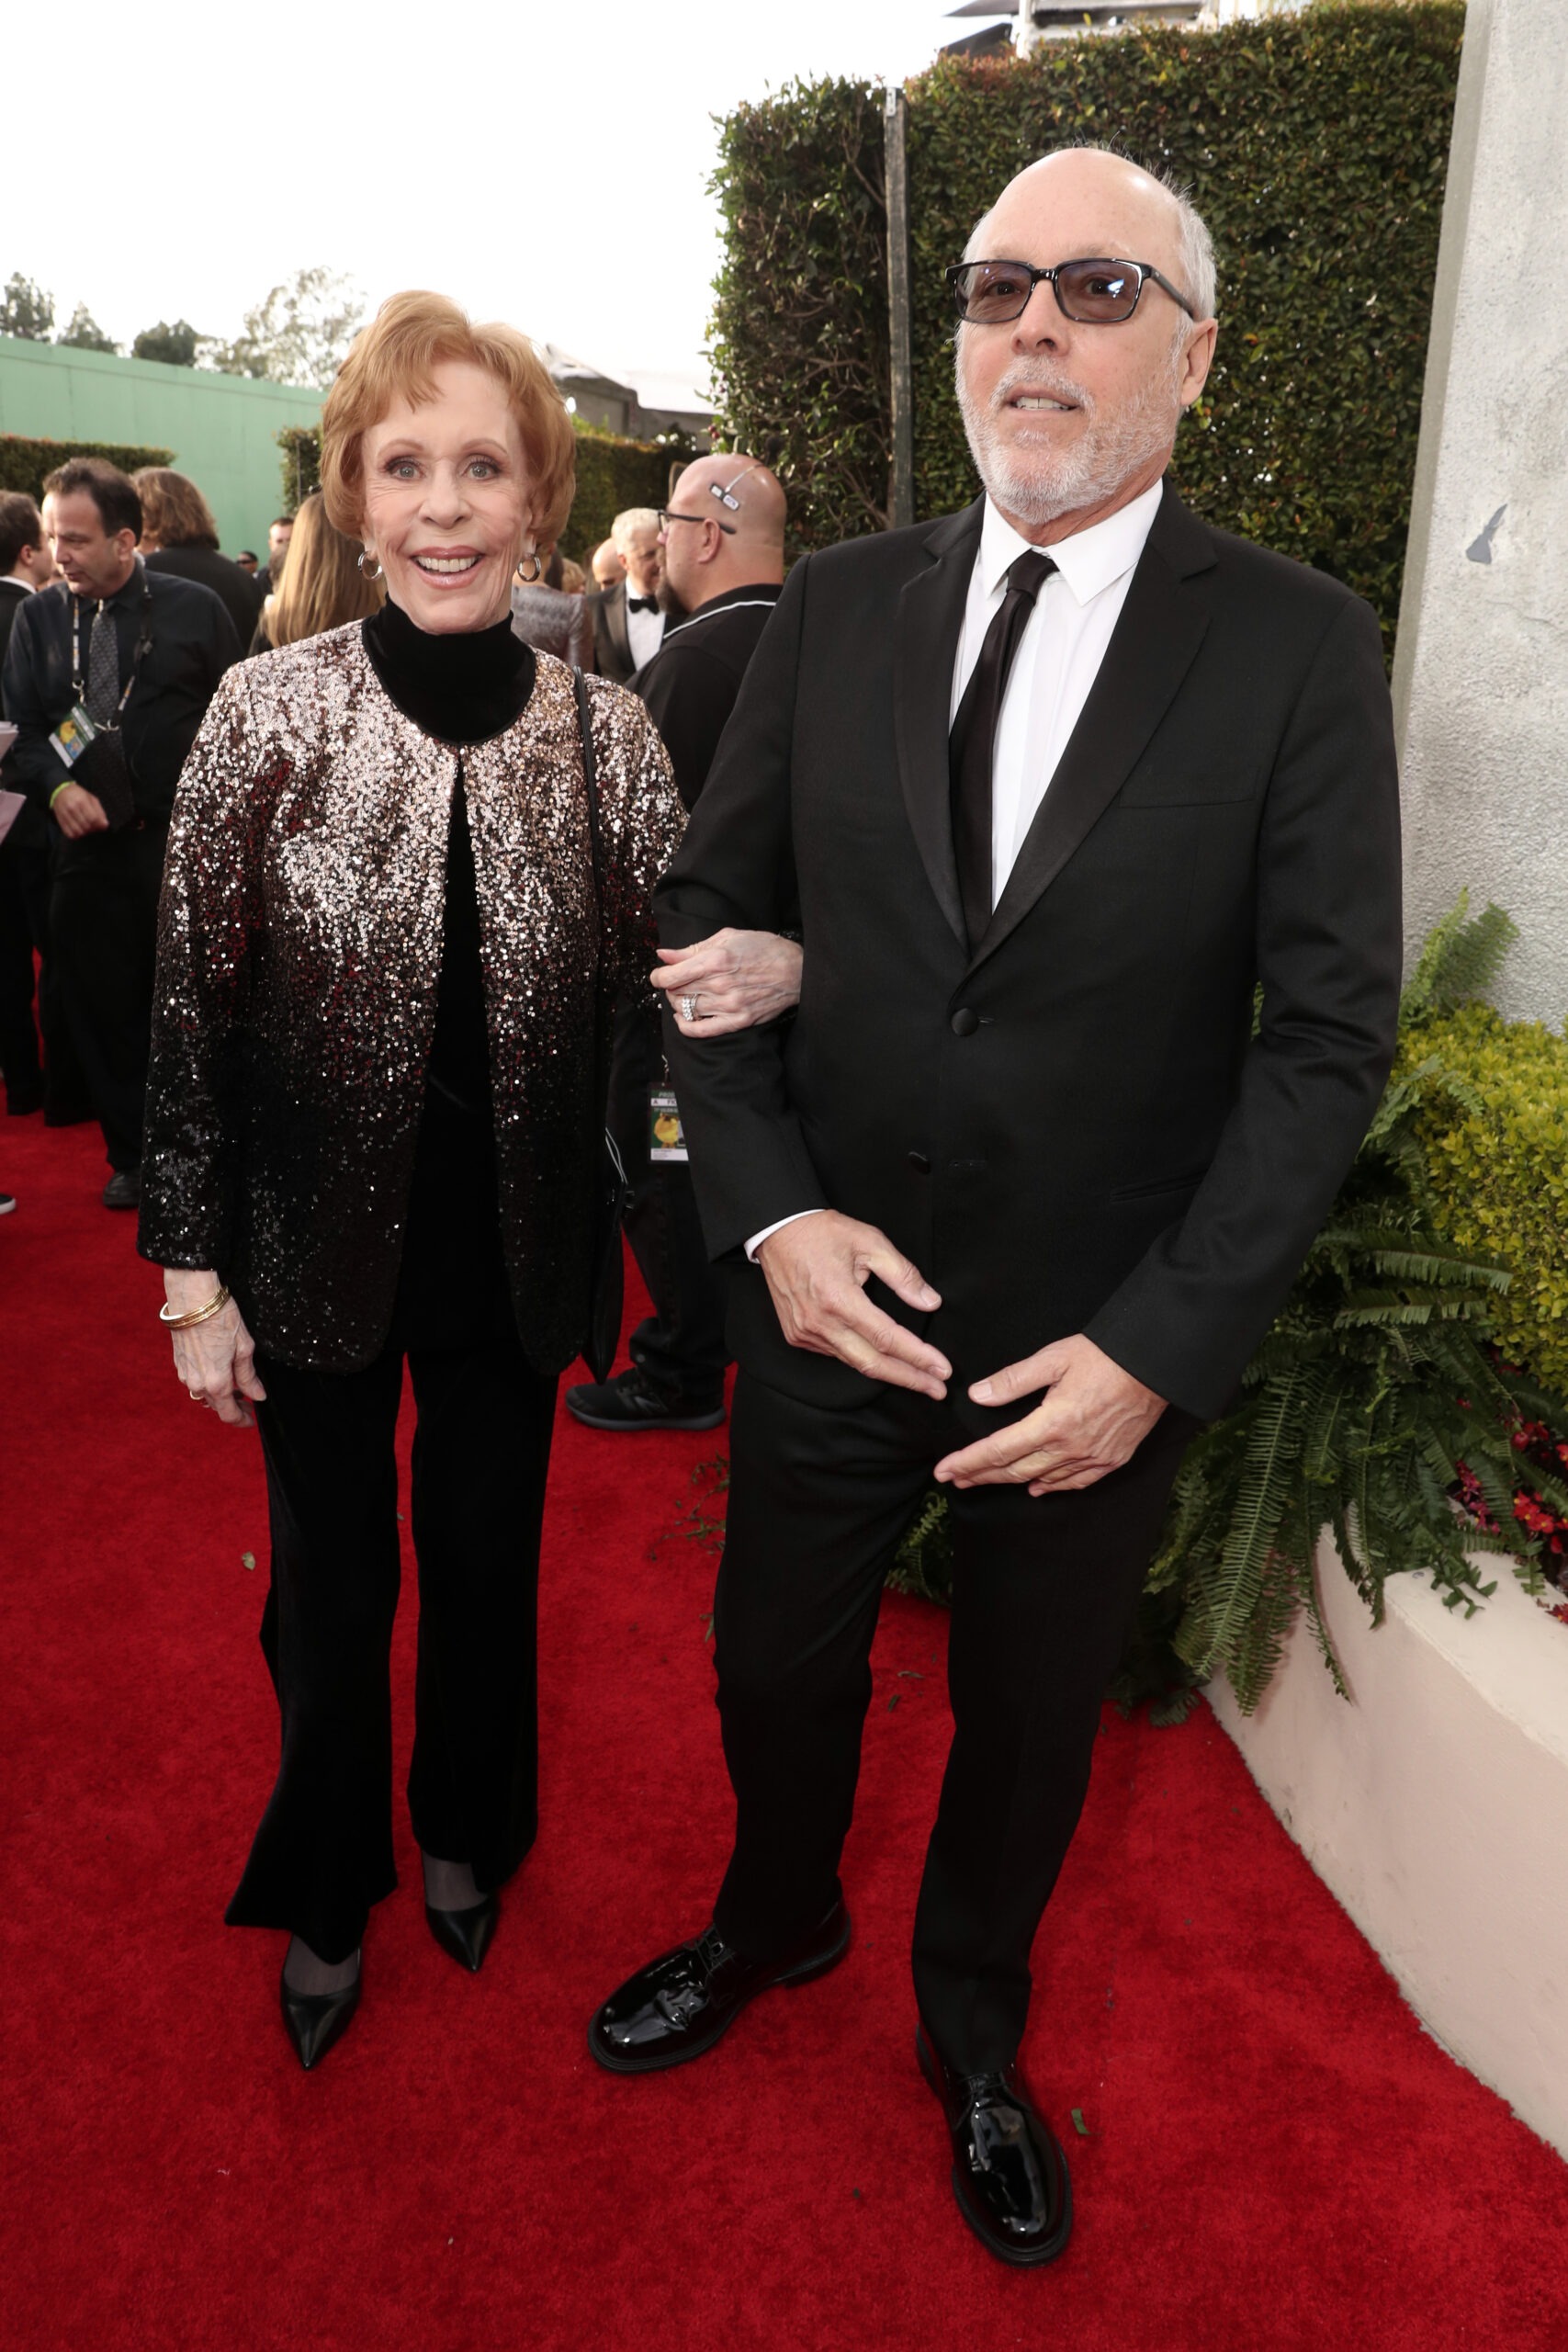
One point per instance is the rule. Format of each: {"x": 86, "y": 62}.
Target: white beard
{"x": 1038, "y": 484}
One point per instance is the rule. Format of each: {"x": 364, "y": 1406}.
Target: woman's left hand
{"x": 731, "y": 981}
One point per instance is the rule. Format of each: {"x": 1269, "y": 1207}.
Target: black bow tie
{"x": 642, "y": 604}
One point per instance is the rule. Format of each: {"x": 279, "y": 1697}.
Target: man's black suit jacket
{"x": 1070, "y": 1128}
{"x": 611, "y": 643}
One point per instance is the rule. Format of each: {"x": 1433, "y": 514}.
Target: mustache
{"x": 1053, "y": 387}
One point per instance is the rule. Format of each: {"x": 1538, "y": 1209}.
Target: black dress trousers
{"x": 681, "y": 1346}
{"x": 104, "y": 925}
{"x": 1044, "y": 1594}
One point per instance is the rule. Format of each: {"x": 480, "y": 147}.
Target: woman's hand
{"x": 732, "y": 981}
{"x": 214, "y": 1359}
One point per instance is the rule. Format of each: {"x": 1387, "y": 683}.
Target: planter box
{"x": 1435, "y": 1805}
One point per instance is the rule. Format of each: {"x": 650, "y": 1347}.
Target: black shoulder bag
{"x": 609, "y": 1173}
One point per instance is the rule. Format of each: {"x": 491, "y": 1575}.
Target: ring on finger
{"x": 688, "y": 1008}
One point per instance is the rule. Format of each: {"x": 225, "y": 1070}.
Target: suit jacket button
{"x": 919, "y": 1164}
{"x": 964, "y": 1022}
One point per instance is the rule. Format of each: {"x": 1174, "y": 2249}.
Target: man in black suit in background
{"x": 628, "y": 623}
{"x": 1055, "y": 781}
{"x": 55, "y": 1083}
{"x": 141, "y": 654}
{"x": 723, "y": 539}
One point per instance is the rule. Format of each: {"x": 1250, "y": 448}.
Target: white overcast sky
{"x": 545, "y": 161}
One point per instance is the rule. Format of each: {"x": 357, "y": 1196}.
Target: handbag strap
{"x": 591, "y": 783}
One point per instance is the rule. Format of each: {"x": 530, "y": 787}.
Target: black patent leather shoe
{"x": 465, "y": 1934}
{"x": 1010, "y": 2175}
{"x": 315, "y": 2021}
{"x": 681, "y": 2004}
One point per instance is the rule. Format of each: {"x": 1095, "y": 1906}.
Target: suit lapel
{"x": 1158, "y": 632}
{"x": 931, "y": 616}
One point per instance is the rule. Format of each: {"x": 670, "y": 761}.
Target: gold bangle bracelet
{"x": 199, "y": 1314}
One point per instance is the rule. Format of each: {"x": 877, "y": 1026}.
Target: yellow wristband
{"x": 57, "y": 790}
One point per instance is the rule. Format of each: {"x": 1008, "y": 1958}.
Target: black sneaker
{"x": 8, "y": 1203}
{"x": 123, "y": 1190}
{"x": 630, "y": 1401}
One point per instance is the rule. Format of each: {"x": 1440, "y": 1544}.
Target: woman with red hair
{"x": 394, "y": 924}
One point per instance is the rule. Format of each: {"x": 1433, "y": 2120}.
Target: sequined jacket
{"x": 299, "y": 956}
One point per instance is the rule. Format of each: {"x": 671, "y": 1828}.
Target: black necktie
{"x": 642, "y": 604}
{"x": 103, "y": 667}
{"x": 971, "y": 747}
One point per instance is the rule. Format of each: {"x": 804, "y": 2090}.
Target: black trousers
{"x": 1044, "y": 1594}
{"x": 25, "y": 884}
{"x": 323, "y": 1853}
{"x": 104, "y": 925}
{"x": 681, "y": 1346}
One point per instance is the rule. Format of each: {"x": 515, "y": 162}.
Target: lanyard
{"x": 143, "y": 646}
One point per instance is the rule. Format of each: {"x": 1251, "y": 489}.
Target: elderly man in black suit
{"x": 629, "y": 619}
{"x": 1057, "y": 784}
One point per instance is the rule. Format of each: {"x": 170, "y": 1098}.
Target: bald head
{"x": 724, "y": 530}
{"x": 1124, "y": 212}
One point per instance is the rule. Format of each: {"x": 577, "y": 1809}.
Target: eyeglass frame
{"x": 1051, "y": 277}
{"x": 668, "y": 514}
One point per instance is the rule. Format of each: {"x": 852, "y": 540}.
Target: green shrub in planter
{"x": 1497, "y": 1169}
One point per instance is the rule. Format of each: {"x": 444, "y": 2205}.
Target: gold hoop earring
{"x": 375, "y": 560}
{"x": 528, "y": 578}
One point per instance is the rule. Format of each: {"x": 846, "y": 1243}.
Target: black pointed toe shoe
{"x": 1009, "y": 2173}
{"x": 315, "y": 2021}
{"x": 681, "y": 2004}
{"x": 465, "y": 1934}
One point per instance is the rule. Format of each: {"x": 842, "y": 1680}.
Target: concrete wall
{"x": 1436, "y": 1807}
{"x": 1481, "y": 677}
{"x": 220, "y": 427}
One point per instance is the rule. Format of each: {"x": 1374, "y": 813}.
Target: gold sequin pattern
{"x": 298, "y": 958}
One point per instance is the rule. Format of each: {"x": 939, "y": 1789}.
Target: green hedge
{"x": 1497, "y": 1169}
{"x": 24, "y": 463}
{"x": 1316, "y": 147}
{"x": 611, "y": 473}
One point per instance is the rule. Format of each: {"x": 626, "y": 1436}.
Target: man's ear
{"x": 1197, "y": 360}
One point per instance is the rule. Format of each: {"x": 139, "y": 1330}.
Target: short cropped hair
{"x": 630, "y": 519}
{"x": 112, "y": 493}
{"x": 1198, "y": 264}
{"x": 394, "y": 359}
{"x": 174, "y": 511}
{"x": 20, "y": 527}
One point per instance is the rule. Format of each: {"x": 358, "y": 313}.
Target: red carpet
{"x": 1277, "y": 2157}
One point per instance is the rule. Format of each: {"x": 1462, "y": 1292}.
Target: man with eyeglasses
{"x": 1057, "y": 784}
{"x": 722, "y": 537}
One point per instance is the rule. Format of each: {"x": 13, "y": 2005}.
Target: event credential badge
{"x": 666, "y": 1137}
{"x": 73, "y": 735}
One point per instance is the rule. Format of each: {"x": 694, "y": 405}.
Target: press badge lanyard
{"x": 143, "y": 647}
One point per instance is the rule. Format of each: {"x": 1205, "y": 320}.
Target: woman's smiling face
{"x": 446, "y": 501}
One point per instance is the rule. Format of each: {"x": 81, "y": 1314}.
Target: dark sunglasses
{"x": 1092, "y": 293}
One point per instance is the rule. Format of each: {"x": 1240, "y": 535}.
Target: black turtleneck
{"x": 461, "y": 688}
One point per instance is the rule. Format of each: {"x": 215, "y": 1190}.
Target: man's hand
{"x": 1094, "y": 1419}
{"x": 735, "y": 979}
{"x": 77, "y": 811}
{"x": 817, "y": 1268}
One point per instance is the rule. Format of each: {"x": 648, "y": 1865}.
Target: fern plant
{"x": 1373, "y": 1394}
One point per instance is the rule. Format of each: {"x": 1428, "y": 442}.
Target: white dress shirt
{"x": 1054, "y": 664}
{"x": 645, "y": 631}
